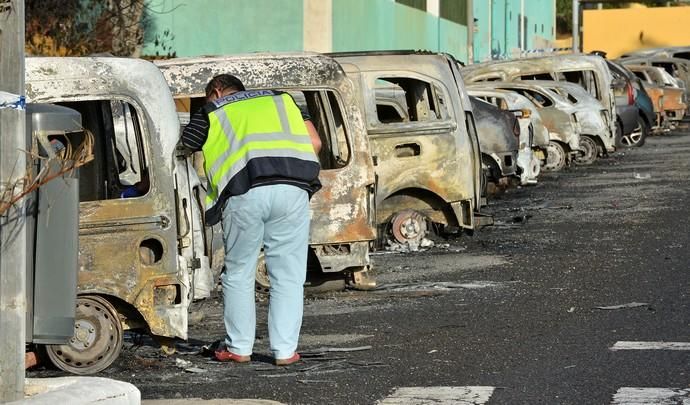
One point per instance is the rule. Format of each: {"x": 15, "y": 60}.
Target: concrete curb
{"x": 77, "y": 391}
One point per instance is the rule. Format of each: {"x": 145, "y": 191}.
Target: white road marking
{"x": 651, "y": 346}
{"x": 651, "y": 396}
{"x": 469, "y": 395}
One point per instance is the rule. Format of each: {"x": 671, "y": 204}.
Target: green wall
{"x": 360, "y": 25}
{"x": 504, "y": 35}
{"x": 215, "y": 27}
{"x": 454, "y": 39}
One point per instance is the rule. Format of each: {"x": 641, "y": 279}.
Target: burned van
{"x": 142, "y": 254}
{"x": 342, "y": 222}
{"x": 422, "y": 139}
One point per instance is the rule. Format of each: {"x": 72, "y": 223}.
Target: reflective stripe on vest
{"x": 261, "y": 126}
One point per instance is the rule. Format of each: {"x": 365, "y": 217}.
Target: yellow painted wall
{"x": 617, "y": 31}
{"x": 565, "y": 42}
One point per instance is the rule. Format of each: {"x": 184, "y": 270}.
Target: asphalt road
{"x": 507, "y": 316}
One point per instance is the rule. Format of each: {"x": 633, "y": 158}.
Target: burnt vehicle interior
{"x": 537, "y": 76}
{"x": 119, "y": 168}
{"x": 643, "y": 76}
{"x": 659, "y": 78}
{"x": 535, "y": 97}
{"x": 565, "y": 94}
{"x": 400, "y": 100}
{"x": 585, "y": 78}
{"x": 669, "y": 67}
{"x": 497, "y": 101}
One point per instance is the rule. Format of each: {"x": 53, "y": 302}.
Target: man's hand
{"x": 314, "y": 135}
{"x": 182, "y": 151}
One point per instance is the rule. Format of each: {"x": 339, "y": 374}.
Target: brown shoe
{"x": 226, "y": 355}
{"x": 290, "y": 360}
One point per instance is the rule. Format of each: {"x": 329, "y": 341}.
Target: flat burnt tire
{"x": 590, "y": 151}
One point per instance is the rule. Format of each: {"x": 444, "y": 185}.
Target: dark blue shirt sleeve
{"x": 195, "y": 133}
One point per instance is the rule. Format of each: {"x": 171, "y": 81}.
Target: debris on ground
{"x": 409, "y": 246}
{"x": 210, "y": 349}
{"x": 195, "y": 370}
{"x": 188, "y": 366}
{"x": 513, "y": 222}
{"x": 624, "y": 306}
{"x": 642, "y": 176}
{"x": 180, "y": 363}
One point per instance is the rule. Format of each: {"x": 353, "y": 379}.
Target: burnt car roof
{"x": 189, "y": 76}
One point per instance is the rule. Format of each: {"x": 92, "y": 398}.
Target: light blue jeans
{"x": 277, "y": 217}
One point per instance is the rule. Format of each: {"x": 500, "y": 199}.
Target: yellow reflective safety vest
{"x": 255, "y": 138}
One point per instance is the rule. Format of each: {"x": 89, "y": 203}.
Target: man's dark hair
{"x": 223, "y": 82}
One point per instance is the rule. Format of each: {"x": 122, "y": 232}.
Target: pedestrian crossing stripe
{"x": 465, "y": 395}
{"x": 479, "y": 395}
{"x": 651, "y": 396}
{"x": 623, "y": 345}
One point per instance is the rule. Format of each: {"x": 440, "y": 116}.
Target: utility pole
{"x": 12, "y": 223}
{"x": 576, "y": 26}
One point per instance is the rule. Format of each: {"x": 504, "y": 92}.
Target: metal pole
{"x": 12, "y": 229}
{"x": 433, "y": 7}
{"x": 523, "y": 36}
{"x": 470, "y": 32}
{"x": 490, "y": 28}
{"x": 576, "y": 26}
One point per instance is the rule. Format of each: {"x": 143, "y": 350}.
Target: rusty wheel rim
{"x": 408, "y": 226}
{"x": 97, "y": 339}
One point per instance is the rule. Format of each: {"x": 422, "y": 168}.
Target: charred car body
{"x": 498, "y": 132}
{"x": 533, "y": 134}
{"x": 426, "y": 153}
{"x": 343, "y": 211}
{"x": 678, "y": 68}
{"x": 672, "y": 107}
{"x": 142, "y": 252}
{"x": 596, "y": 138}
